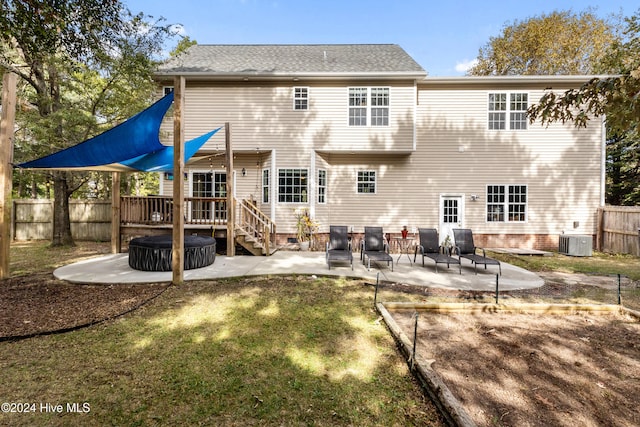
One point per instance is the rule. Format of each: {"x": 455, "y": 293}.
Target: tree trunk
{"x": 61, "y": 220}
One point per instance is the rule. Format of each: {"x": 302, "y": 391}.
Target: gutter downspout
{"x": 603, "y": 161}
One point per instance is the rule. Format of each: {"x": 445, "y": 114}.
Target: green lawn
{"x": 251, "y": 351}
{"x": 599, "y": 263}
{"x": 247, "y": 351}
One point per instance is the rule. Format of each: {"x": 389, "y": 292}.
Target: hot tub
{"x": 153, "y": 253}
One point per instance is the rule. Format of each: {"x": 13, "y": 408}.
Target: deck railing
{"x": 158, "y": 210}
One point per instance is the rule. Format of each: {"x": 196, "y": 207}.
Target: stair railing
{"x": 256, "y": 224}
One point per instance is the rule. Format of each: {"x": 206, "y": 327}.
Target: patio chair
{"x": 374, "y": 247}
{"x": 339, "y": 246}
{"x": 429, "y": 247}
{"x": 465, "y": 248}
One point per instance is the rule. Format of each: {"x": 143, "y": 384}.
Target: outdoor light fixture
{"x": 475, "y": 197}
{"x": 244, "y": 172}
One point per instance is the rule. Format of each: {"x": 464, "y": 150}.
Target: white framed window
{"x": 357, "y": 106}
{"x": 506, "y": 203}
{"x": 322, "y": 186}
{"x": 265, "y": 185}
{"x": 379, "y": 106}
{"x": 369, "y": 105}
{"x": 293, "y": 185}
{"x": 166, "y": 90}
{"x": 507, "y": 111}
{"x": 300, "y": 98}
{"x": 366, "y": 183}
{"x": 518, "y": 105}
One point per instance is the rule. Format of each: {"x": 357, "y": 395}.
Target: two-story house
{"x": 359, "y": 135}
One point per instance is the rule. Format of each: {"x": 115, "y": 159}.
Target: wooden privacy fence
{"x": 32, "y": 219}
{"x": 618, "y": 229}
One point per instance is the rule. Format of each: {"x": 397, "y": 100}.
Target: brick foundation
{"x": 547, "y": 242}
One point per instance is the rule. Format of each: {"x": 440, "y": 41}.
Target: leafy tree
{"x": 618, "y": 98}
{"x": 86, "y": 65}
{"x": 558, "y": 43}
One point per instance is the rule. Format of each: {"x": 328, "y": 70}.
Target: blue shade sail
{"x": 162, "y": 160}
{"x": 133, "y": 145}
{"x": 132, "y": 138}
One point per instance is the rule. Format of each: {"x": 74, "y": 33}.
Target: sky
{"x": 442, "y": 36}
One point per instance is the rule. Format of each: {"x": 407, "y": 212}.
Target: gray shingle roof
{"x": 291, "y": 60}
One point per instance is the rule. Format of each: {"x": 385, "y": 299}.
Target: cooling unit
{"x": 575, "y": 245}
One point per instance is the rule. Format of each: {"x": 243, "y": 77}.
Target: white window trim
{"x": 375, "y": 183}
{"x": 507, "y": 111}
{"x": 277, "y": 185}
{"x": 506, "y": 204}
{"x": 293, "y": 96}
{"x": 369, "y": 106}
{"x": 166, "y": 90}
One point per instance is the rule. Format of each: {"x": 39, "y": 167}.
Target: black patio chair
{"x": 374, "y": 247}
{"x": 339, "y": 246}
{"x": 465, "y": 248}
{"x": 429, "y": 247}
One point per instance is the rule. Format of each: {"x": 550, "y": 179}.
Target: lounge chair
{"x": 338, "y": 246}
{"x": 429, "y": 247}
{"x": 465, "y": 248}
{"x": 374, "y": 247}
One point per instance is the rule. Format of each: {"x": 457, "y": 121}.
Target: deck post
{"x": 7, "y": 124}
{"x": 177, "y": 249}
{"x": 231, "y": 214}
{"x": 116, "y": 243}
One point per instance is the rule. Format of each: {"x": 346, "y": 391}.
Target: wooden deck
{"x": 153, "y": 215}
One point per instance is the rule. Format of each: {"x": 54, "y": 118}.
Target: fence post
{"x": 375, "y": 295}
{"x": 599, "y": 229}
{"x": 619, "y": 290}
{"x": 497, "y": 288}
{"x": 415, "y": 339}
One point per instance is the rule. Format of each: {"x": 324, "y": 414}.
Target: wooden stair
{"x": 252, "y": 243}
{"x": 255, "y": 231}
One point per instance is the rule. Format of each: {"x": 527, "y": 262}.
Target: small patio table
{"x": 404, "y": 245}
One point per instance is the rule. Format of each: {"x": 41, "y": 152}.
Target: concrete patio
{"x": 115, "y": 269}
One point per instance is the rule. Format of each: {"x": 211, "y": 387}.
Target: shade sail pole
{"x": 116, "y": 244}
{"x": 177, "y": 251}
{"x": 7, "y": 124}
{"x": 231, "y": 212}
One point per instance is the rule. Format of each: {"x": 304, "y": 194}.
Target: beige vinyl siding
{"x": 261, "y": 115}
{"x": 394, "y": 203}
{"x": 560, "y": 165}
{"x": 454, "y": 154}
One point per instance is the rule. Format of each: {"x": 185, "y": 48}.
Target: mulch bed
{"x": 40, "y": 304}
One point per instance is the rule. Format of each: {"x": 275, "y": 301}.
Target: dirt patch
{"x": 511, "y": 369}
{"x": 40, "y": 304}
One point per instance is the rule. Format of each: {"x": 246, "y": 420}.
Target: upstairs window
{"x": 357, "y": 106}
{"x": 368, "y": 105}
{"x": 300, "y": 98}
{"x": 508, "y": 111}
{"x": 380, "y": 106}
